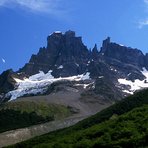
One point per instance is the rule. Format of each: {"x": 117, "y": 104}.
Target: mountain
{"x": 65, "y": 54}
{"x": 68, "y": 80}
{"x": 116, "y": 68}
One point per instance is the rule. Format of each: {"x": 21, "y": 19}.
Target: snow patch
{"x": 57, "y": 32}
{"x": 100, "y": 77}
{"x": 85, "y": 85}
{"x": 128, "y": 92}
{"x": 113, "y": 69}
{"x": 121, "y": 44}
{"x": 60, "y": 67}
{"x": 145, "y": 72}
{"x": 86, "y": 76}
{"x": 137, "y": 84}
{"x": 41, "y": 76}
{"x": 77, "y": 64}
{"x": 129, "y": 74}
{"x": 39, "y": 83}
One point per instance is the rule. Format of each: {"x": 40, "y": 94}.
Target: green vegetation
{"x": 119, "y": 108}
{"x": 124, "y": 124}
{"x": 128, "y": 130}
{"x": 20, "y": 114}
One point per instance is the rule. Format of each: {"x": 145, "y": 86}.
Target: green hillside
{"x": 20, "y": 114}
{"x": 124, "y": 124}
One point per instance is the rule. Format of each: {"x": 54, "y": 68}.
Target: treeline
{"x": 12, "y": 119}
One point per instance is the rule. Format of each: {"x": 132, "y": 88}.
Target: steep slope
{"x": 124, "y": 54}
{"x": 122, "y": 131}
{"x": 121, "y": 125}
{"x": 126, "y": 66}
{"x": 6, "y": 83}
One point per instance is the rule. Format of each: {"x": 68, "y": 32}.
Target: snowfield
{"x": 60, "y": 67}
{"x": 39, "y": 83}
{"x": 137, "y": 84}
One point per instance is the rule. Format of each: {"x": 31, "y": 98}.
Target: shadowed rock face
{"x": 124, "y": 54}
{"x": 123, "y": 60}
{"x": 6, "y": 81}
{"x": 146, "y": 60}
{"x": 66, "y": 55}
{"x": 62, "y": 49}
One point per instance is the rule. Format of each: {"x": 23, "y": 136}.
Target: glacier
{"x": 39, "y": 83}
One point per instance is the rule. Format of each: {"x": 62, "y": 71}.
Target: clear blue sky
{"x": 25, "y": 25}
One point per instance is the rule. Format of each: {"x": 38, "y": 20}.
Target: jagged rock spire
{"x": 95, "y": 50}
{"x": 62, "y": 49}
{"x": 105, "y": 44}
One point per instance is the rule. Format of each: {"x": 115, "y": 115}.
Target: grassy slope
{"x": 112, "y": 127}
{"x": 118, "y": 108}
{"x": 15, "y": 115}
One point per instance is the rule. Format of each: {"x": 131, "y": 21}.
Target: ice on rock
{"x": 137, "y": 84}
{"x": 39, "y": 83}
{"x": 86, "y": 76}
{"x": 58, "y": 32}
{"x": 60, "y": 67}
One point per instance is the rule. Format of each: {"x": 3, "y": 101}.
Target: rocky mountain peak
{"x": 115, "y": 67}
{"x": 70, "y": 33}
{"x": 62, "y": 49}
{"x": 95, "y": 50}
{"x": 6, "y": 83}
{"x": 105, "y": 44}
{"x": 122, "y": 53}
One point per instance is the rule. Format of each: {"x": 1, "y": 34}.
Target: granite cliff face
{"x": 6, "y": 83}
{"x": 65, "y": 55}
{"x": 128, "y": 62}
{"x": 124, "y": 54}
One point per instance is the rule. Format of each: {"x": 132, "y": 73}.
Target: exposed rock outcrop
{"x": 65, "y": 54}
